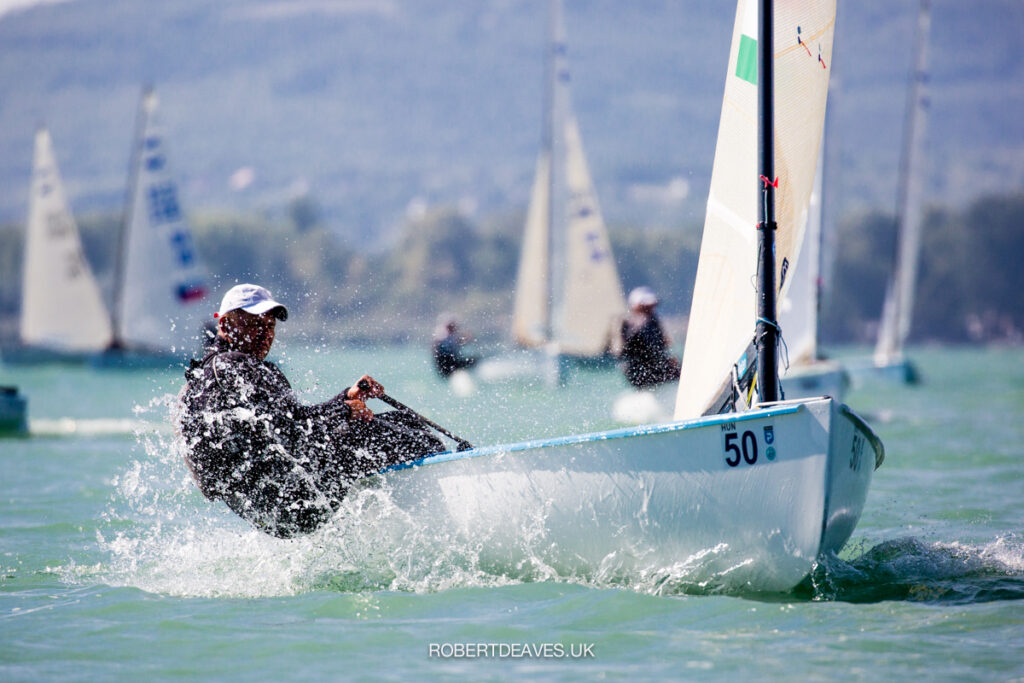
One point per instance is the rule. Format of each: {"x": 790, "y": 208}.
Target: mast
{"x": 766, "y": 335}
{"x": 557, "y": 195}
{"x": 580, "y": 290}
{"x": 548, "y": 145}
{"x": 899, "y": 300}
{"x": 121, "y": 257}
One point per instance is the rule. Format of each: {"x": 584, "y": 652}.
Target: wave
{"x": 169, "y": 540}
{"x": 180, "y": 544}
{"x": 909, "y": 569}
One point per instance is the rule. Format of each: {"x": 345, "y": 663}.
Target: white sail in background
{"x": 61, "y": 306}
{"x": 899, "y": 297}
{"x": 831, "y": 178}
{"x": 723, "y": 312}
{"x": 565, "y": 235}
{"x": 593, "y": 297}
{"x": 804, "y": 373}
{"x": 530, "y": 318}
{"x": 798, "y": 310}
{"x": 160, "y": 274}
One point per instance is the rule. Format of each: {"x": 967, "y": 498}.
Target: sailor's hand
{"x": 358, "y": 409}
{"x": 367, "y": 387}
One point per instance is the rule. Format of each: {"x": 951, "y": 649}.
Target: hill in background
{"x": 381, "y": 109}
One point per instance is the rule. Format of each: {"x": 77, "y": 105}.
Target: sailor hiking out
{"x": 282, "y": 465}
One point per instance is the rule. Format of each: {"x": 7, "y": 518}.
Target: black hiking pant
{"x": 287, "y": 492}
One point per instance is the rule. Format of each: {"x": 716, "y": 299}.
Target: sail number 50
{"x": 740, "y": 448}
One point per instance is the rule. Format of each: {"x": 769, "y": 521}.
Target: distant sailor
{"x": 645, "y": 342}
{"x": 280, "y": 464}
{"x": 448, "y": 345}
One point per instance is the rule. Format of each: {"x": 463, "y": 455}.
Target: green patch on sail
{"x": 746, "y": 61}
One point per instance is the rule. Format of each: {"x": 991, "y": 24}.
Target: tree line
{"x": 969, "y": 282}
{"x": 968, "y": 287}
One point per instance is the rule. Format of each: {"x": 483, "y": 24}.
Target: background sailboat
{"x": 158, "y": 277}
{"x": 63, "y": 317}
{"x": 751, "y": 496}
{"x": 898, "y": 308}
{"x": 568, "y": 295}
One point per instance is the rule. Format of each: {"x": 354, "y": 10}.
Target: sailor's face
{"x": 251, "y": 334}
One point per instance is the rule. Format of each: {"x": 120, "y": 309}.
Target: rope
{"x": 785, "y": 349}
{"x": 778, "y": 330}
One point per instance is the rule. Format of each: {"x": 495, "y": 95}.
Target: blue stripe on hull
{"x": 624, "y": 433}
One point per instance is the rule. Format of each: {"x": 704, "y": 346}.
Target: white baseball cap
{"x": 251, "y": 299}
{"x": 642, "y": 296}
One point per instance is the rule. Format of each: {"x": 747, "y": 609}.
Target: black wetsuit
{"x": 282, "y": 465}
{"x": 448, "y": 355}
{"x": 643, "y": 348}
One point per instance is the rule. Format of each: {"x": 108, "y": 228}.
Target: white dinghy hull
{"x": 745, "y": 500}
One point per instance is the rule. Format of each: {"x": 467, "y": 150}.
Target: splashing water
{"x": 163, "y": 537}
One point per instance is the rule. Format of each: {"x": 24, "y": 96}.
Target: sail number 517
{"x": 740, "y": 448}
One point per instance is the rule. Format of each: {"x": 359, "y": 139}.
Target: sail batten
{"x": 62, "y": 308}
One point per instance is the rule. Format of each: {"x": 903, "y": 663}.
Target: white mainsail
{"x": 61, "y": 305}
{"x": 160, "y": 275}
{"x": 899, "y": 296}
{"x": 568, "y": 289}
{"x": 723, "y": 312}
